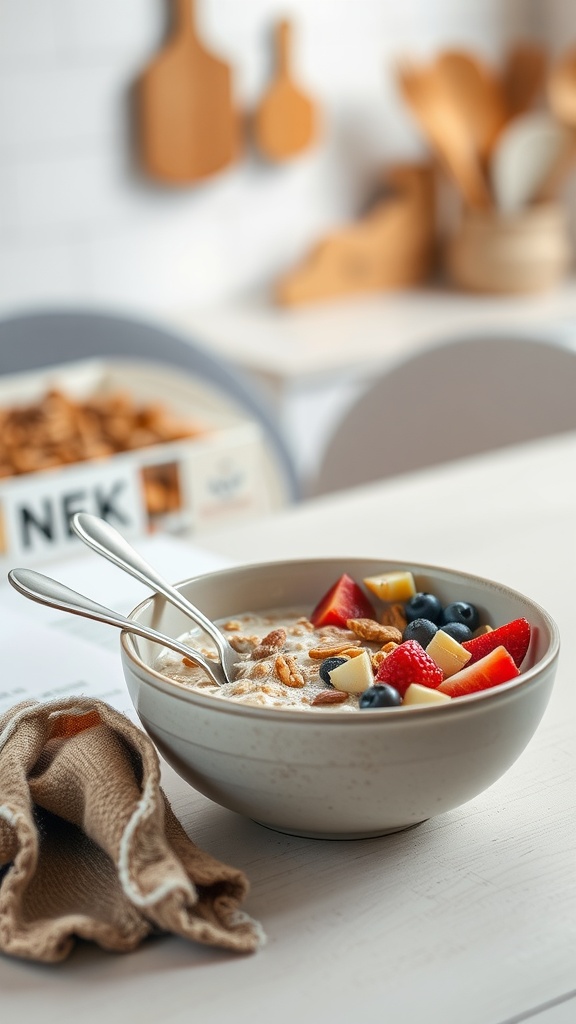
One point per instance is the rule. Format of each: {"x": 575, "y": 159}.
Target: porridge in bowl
{"x": 380, "y": 644}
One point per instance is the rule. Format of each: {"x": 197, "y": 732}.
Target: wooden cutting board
{"x": 285, "y": 120}
{"x": 188, "y": 127}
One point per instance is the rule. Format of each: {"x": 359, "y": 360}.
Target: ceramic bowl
{"x": 345, "y": 775}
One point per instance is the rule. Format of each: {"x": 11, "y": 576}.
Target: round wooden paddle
{"x": 285, "y": 121}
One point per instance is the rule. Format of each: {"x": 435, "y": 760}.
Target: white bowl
{"x": 352, "y": 774}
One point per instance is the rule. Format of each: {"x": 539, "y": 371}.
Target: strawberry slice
{"x": 496, "y": 667}
{"x": 514, "y": 636}
{"x": 407, "y": 664}
{"x": 345, "y": 600}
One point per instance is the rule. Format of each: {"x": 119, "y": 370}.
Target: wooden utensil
{"x": 477, "y": 94}
{"x": 188, "y": 127}
{"x": 524, "y": 76}
{"x": 525, "y": 155}
{"x": 562, "y": 99}
{"x": 447, "y": 131}
{"x": 285, "y": 120}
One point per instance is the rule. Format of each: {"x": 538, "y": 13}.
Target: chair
{"x": 46, "y": 338}
{"x": 451, "y": 400}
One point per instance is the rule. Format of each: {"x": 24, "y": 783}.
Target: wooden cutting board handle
{"x": 187, "y": 126}
{"x": 285, "y": 121}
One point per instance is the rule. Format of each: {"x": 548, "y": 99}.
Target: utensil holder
{"x": 491, "y": 252}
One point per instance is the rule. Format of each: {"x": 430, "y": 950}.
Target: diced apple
{"x": 345, "y": 600}
{"x": 417, "y": 694}
{"x": 448, "y": 654}
{"x": 392, "y": 586}
{"x": 353, "y": 676}
{"x": 495, "y": 668}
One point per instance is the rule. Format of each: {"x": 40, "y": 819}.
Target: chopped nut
{"x": 369, "y": 629}
{"x": 287, "y": 669}
{"x": 270, "y": 644}
{"x": 244, "y": 644}
{"x": 330, "y": 650}
{"x": 232, "y": 624}
{"x": 393, "y": 615}
{"x": 329, "y": 697}
{"x": 262, "y": 669}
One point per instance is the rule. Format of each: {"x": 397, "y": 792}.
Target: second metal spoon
{"x": 45, "y": 590}
{"x": 107, "y": 541}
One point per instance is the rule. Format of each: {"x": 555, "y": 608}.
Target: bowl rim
{"x": 189, "y": 696}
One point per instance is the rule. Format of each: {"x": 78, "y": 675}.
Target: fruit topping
{"x": 345, "y": 600}
{"x": 392, "y": 586}
{"x": 408, "y": 663}
{"x": 461, "y": 611}
{"x": 327, "y": 666}
{"x": 423, "y": 606}
{"x": 380, "y": 696}
{"x": 354, "y": 676}
{"x": 458, "y": 631}
{"x": 493, "y": 669}
{"x": 421, "y": 630}
{"x": 514, "y": 636}
{"x": 448, "y": 654}
{"x": 417, "y": 694}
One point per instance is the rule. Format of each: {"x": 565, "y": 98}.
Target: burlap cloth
{"x": 89, "y": 846}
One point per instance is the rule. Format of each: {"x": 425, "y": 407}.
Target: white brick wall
{"x": 78, "y": 223}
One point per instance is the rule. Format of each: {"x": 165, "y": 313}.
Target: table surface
{"x": 469, "y": 918}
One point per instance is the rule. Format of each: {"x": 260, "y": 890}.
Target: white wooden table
{"x": 469, "y": 918}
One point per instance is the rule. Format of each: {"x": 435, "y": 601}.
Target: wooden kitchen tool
{"x": 477, "y": 95}
{"x": 392, "y": 246}
{"x": 188, "y": 128}
{"x": 524, "y": 76}
{"x": 285, "y": 120}
{"x": 447, "y": 131}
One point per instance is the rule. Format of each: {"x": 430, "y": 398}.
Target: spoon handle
{"x": 45, "y": 590}
{"x": 105, "y": 540}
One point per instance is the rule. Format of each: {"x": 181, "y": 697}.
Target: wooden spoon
{"x": 285, "y": 121}
{"x": 524, "y": 77}
{"x": 524, "y": 157}
{"x": 562, "y": 99}
{"x": 477, "y": 94}
{"x": 448, "y": 133}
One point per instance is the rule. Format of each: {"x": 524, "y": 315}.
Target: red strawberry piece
{"x": 409, "y": 663}
{"x": 345, "y": 600}
{"x": 496, "y": 667}
{"x": 514, "y": 636}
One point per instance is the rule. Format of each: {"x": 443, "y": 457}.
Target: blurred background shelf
{"x": 315, "y": 361}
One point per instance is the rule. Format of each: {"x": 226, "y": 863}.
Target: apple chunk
{"x": 495, "y": 668}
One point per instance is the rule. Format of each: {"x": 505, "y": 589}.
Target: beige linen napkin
{"x": 89, "y": 846}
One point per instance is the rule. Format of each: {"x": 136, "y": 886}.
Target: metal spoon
{"x": 45, "y": 590}
{"x": 105, "y": 540}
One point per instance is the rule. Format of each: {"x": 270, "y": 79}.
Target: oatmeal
{"x": 279, "y": 660}
{"x": 352, "y": 653}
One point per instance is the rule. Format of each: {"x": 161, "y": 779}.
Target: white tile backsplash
{"x": 80, "y": 223}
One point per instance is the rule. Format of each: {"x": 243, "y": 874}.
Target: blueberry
{"x": 423, "y": 606}
{"x": 327, "y": 666}
{"x": 421, "y": 630}
{"x": 458, "y": 631}
{"x": 462, "y": 611}
{"x": 380, "y": 696}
